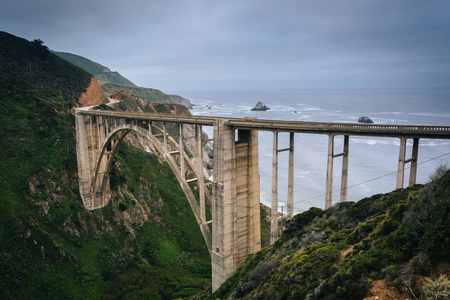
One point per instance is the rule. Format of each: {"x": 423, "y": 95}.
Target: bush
{"x": 436, "y": 289}
{"x": 439, "y": 171}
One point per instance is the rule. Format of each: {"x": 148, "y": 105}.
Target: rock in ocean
{"x": 363, "y": 119}
{"x": 260, "y": 107}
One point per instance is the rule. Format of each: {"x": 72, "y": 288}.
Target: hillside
{"x": 112, "y": 82}
{"x": 101, "y": 73}
{"x": 382, "y": 247}
{"x": 52, "y": 247}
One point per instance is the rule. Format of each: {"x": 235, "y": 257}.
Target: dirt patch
{"x": 381, "y": 291}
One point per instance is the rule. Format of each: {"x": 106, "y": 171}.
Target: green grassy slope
{"x": 101, "y": 73}
{"x": 395, "y": 238}
{"x": 112, "y": 82}
{"x": 51, "y": 247}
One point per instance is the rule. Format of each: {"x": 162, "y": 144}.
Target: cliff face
{"x": 112, "y": 82}
{"x": 92, "y": 95}
{"x": 180, "y": 100}
{"x": 150, "y": 95}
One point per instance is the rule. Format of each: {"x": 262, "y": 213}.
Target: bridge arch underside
{"x": 234, "y": 203}
{"x": 100, "y": 186}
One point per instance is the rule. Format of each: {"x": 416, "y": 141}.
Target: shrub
{"x": 439, "y": 171}
{"x": 436, "y": 289}
{"x": 122, "y": 206}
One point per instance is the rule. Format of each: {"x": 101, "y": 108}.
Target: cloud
{"x": 235, "y": 44}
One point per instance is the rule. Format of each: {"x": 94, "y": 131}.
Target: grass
{"x": 52, "y": 247}
{"x": 337, "y": 253}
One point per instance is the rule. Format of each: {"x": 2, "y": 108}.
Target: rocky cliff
{"x": 112, "y": 82}
{"x": 92, "y": 95}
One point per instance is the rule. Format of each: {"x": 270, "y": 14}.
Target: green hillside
{"x": 101, "y": 73}
{"x": 51, "y": 246}
{"x": 391, "y": 241}
{"x": 112, "y": 82}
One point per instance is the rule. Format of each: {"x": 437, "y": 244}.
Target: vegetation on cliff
{"x": 51, "y": 246}
{"x": 388, "y": 241}
{"x": 113, "y": 83}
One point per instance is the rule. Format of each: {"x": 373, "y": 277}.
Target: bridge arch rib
{"x": 107, "y": 150}
{"x": 235, "y": 200}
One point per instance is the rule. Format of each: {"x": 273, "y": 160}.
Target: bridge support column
{"x": 181, "y": 144}
{"x": 274, "y": 209}
{"x": 344, "y": 177}
{"x": 84, "y": 179}
{"x": 414, "y": 159}
{"x": 329, "y": 182}
{"x": 235, "y": 207}
{"x": 89, "y": 141}
{"x": 165, "y": 137}
{"x": 274, "y": 228}
{"x": 402, "y": 161}
{"x": 200, "y": 176}
{"x": 290, "y": 198}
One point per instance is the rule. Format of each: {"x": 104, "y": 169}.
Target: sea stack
{"x": 260, "y": 107}
{"x": 364, "y": 119}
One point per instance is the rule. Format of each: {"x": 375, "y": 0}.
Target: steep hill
{"x": 381, "y": 247}
{"x": 51, "y": 246}
{"x": 101, "y": 73}
{"x": 113, "y": 83}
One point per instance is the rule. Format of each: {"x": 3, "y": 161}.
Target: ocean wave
{"x": 372, "y": 141}
{"x": 430, "y": 115}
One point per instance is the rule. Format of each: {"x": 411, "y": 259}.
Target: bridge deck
{"x": 382, "y": 130}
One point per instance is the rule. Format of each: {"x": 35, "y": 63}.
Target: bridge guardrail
{"x": 424, "y": 131}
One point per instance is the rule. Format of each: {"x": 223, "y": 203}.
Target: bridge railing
{"x": 350, "y": 128}
{"x": 425, "y": 131}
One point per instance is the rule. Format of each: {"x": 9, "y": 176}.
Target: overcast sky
{"x": 245, "y": 44}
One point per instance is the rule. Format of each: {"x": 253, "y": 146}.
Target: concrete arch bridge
{"x": 234, "y": 202}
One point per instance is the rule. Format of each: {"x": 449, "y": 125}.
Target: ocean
{"x": 372, "y": 160}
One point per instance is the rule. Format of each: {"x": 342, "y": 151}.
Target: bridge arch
{"x": 100, "y": 177}
{"x": 235, "y": 200}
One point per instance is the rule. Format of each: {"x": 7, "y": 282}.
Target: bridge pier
{"x": 275, "y": 215}
{"x": 344, "y": 177}
{"x": 274, "y": 208}
{"x": 236, "y": 209}
{"x": 402, "y": 162}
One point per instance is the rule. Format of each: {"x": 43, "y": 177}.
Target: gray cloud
{"x": 201, "y": 44}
